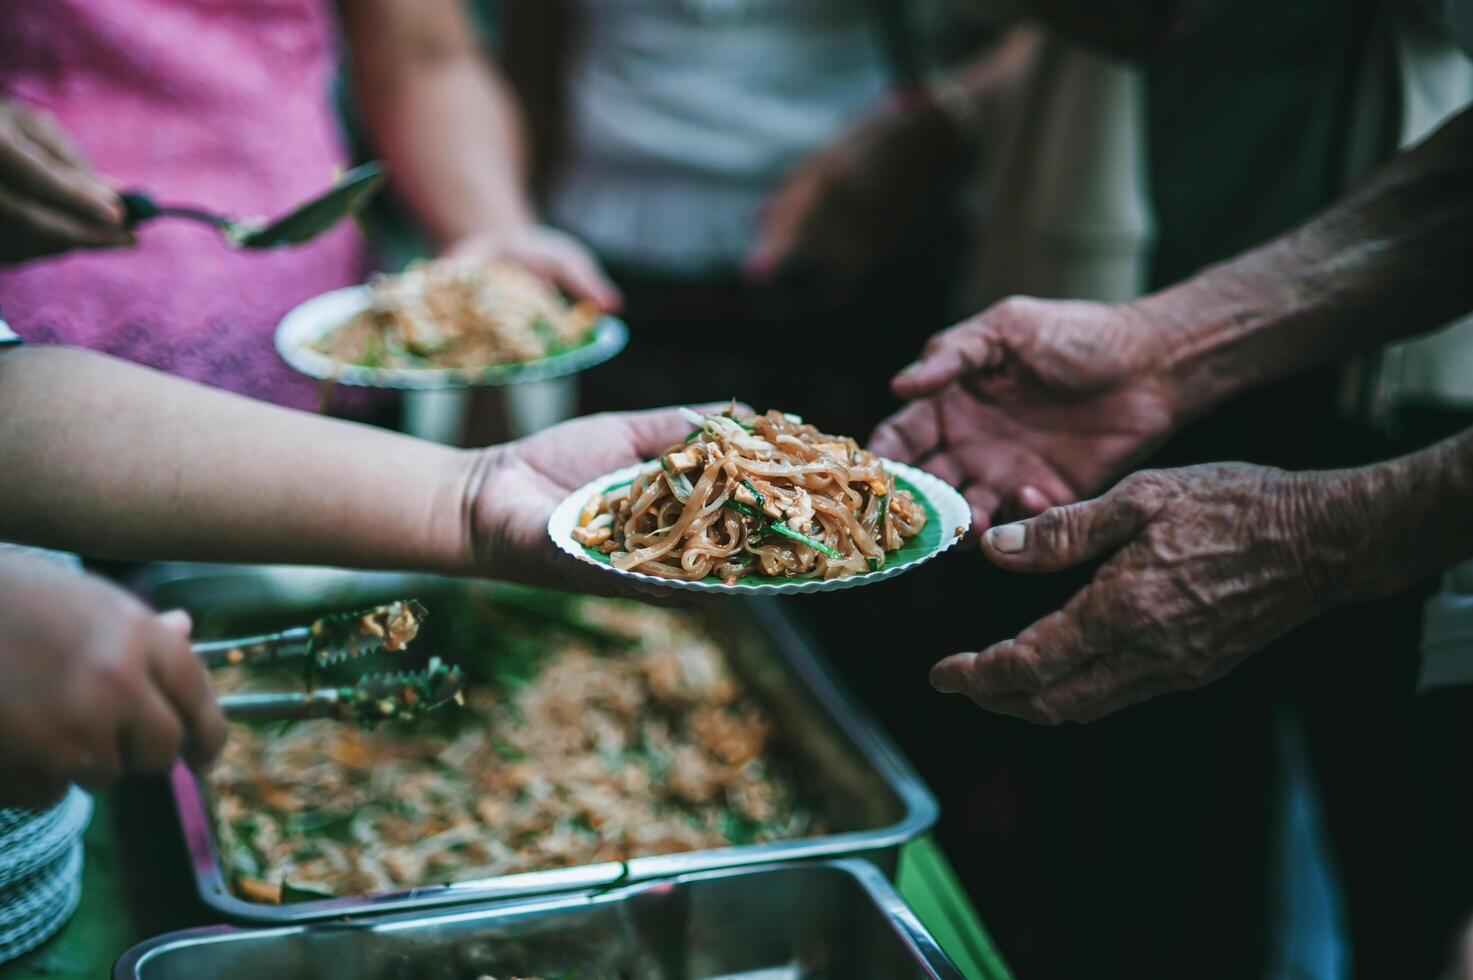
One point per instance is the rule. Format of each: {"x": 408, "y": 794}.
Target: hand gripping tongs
{"x": 334, "y": 640}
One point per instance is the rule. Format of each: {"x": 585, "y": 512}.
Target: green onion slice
{"x": 778, "y": 527}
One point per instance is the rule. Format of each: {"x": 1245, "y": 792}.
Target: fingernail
{"x": 176, "y": 619}
{"x": 1007, "y": 539}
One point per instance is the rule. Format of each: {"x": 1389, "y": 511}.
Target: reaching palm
{"x": 1032, "y": 403}
{"x": 523, "y": 481}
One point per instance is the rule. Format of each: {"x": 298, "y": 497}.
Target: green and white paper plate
{"x": 320, "y": 315}
{"x": 948, "y": 518}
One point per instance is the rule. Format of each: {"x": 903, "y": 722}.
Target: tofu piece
{"x": 682, "y": 461}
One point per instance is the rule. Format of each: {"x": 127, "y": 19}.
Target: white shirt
{"x": 684, "y": 115}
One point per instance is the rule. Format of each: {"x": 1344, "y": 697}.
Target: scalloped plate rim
{"x": 942, "y": 496}
{"x": 314, "y": 317}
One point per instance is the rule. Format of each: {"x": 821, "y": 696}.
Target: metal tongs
{"x": 334, "y": 640}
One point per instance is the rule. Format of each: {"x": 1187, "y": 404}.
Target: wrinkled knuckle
{"x": 1016, "y": 318}
{"x": 1135, "y": 485}
{"x": 1140, "y": 495}
{"x": 1055, "y": 530}
{"x": 1011, "y": 308}
{"x": 1023, "y": 669}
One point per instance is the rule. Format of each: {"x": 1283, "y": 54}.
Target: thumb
{"x": 1062, "y": 537}
{"x": 972, "y": 346}
{"x": 655, "y": 430}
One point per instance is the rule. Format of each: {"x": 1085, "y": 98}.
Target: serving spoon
{"x": 303, "y": 223}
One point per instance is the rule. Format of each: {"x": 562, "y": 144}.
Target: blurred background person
{"x": 229, "y": 106}
{"x": 663, "y": 135}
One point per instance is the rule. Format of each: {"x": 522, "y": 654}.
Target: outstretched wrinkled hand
{"x": 1032, "y": 403}
{"x": 1207, "y": 565}
{"x": 520, "y": 483}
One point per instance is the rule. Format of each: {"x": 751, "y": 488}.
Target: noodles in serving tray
{"x": 763, "y": 495}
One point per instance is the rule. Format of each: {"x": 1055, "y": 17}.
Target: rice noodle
{"x": 643, "y": 742}
{"x": 459, "y": 313}
{"x": 755, "y": 473}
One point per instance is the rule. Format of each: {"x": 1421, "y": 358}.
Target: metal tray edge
{"x": 909, "y": 928}
{"x": 919, "y": 807}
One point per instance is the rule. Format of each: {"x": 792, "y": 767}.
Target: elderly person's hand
{"x": 51, "y": 200}
{"x": 555, "y": 256}
{"x": 518, "y": 484}
{"x": 93, "y": 685}
{"x": 1033, "y": 403}
{"x": 1205, "y": 566}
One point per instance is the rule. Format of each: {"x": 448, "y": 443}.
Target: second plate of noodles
{"x": 447, "y": 323}
{"x": 761, "y": 503}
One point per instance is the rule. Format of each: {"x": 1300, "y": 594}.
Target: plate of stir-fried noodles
{"x": 447, "y": 323}
{"x": 766, "y": 503}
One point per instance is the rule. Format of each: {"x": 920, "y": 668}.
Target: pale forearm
{"x": 117, "y": 461}
{"x": 1388, "y": 262}
{"x": 447, "y": 123}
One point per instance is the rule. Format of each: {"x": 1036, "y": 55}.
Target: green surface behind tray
{"x": 142, "y": 888}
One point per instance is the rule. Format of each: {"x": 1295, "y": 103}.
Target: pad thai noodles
{"x": 764, "y": 495}
{"x": 616, "y": 731}
{"x": 460, "y": 313}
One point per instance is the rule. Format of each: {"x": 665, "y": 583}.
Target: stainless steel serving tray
{"x": 846, "y": 768}
{"x": 838, "y": 919}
